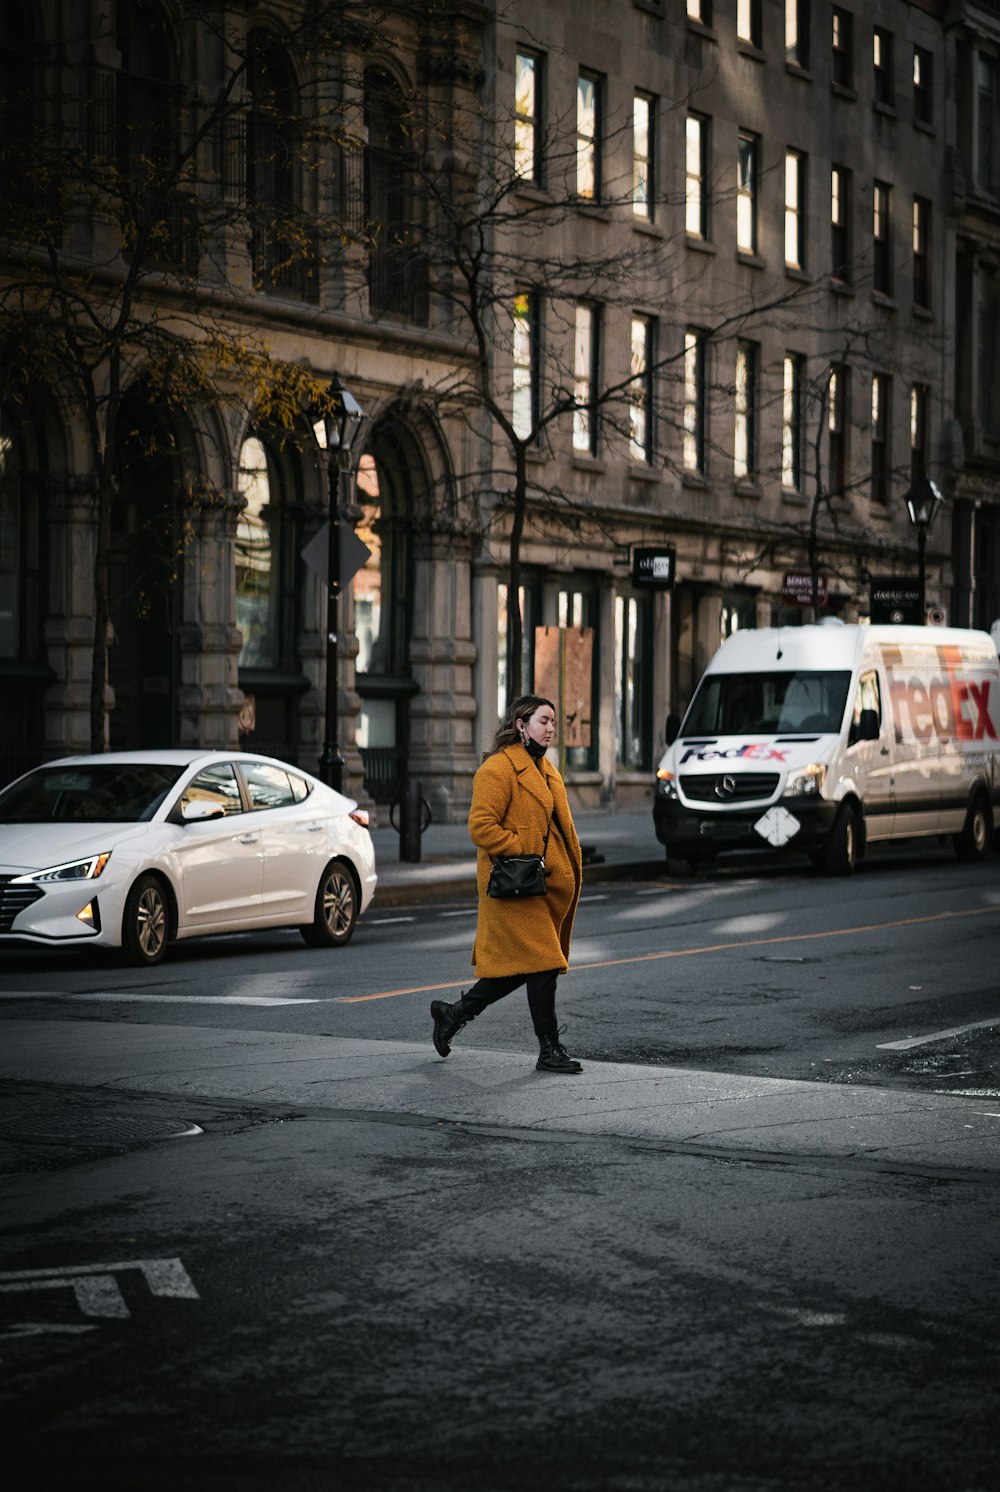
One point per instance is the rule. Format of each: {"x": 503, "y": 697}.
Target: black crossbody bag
{"x": 518, "y": 875}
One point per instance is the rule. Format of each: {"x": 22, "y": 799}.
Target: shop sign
{"x": 797, "y": 588}
{"x": 654, "y": 568}
{"x": 895, "y": 600}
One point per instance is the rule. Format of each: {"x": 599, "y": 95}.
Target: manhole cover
{"x": 98, "y": 1129}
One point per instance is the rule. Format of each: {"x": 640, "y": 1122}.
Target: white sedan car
{"x": 132, "y": 849}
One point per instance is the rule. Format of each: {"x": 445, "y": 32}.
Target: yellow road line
{"x": 645, "y": 958}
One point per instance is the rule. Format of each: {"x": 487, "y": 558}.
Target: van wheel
{"x": 839, "y": 855}
{"x": 974, "y": 841}
{"x": 336, "y": 908}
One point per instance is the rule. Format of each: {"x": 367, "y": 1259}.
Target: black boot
{"x": 552, "y": 1056}
{"x": 448, "y": 1021}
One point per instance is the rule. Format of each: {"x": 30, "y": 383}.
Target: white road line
{"x": 601, "y": 897}
{"x": 384, "y": 921}
{"x": 912, "y": 1041}
{"x": 118, "y": 996}
{"x": 466, "y": 912}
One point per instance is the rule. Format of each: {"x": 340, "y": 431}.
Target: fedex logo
{"x": 942, "y": 703}
{"x": 754, "y": 751}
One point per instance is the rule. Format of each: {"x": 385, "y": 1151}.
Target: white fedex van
{"x": 828, "y": 737}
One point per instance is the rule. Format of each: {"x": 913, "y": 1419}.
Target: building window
{"x": 923, "y": 91}
{"x": 22, "y": 544}
{"x": 797, "y": 32}
{"x": 795, "y": 203}
{"x": 840, "y": 220}
{"x": 791, "y": 423}
{"x": 579, "y": 607}
{"x": 881, "y": 448}
{"x": 525, "y": 374}
{"x": 700, "y": 11}
{"x": 633, "y": 683}
{"x": 918, "y": 430}
{"x": 747, "y": 154}
{"x": 640, "y": 407}
{"x": 882, "y": 238}
{"x": 842, "y": 62}
{"x": 397, "y": 267}
{"x": 838, "y": 390}
{"x": 921, "y": 252}
{"x": 527, "y": 117}
{"x": 588, "y": 137}
{"x": 986, "y": 355}
{"x": 745, "y": 434}
{"x": 267, "y": 548}
{"x": 643, "y": 159}
{"x": 882, "y": 67}
{"x": 696, "y": 177}
{"x": 986, "y": 75}
{"x": 694, "y": 403}
{"x": 748, "y": 27}
{"x": 272, "y": 165}
{"x": 585, "y": 374}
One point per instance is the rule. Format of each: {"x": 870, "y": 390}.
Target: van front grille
{"x": 714, "y": 787}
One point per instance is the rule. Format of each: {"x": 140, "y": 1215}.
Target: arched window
{"x": 268, "y": 540}
{"x": 148, "y": 133}
{"x": 397, "y": 270}
{"x": 282, "y": 247}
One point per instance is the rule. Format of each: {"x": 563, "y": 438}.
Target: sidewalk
{"x": 615, "y": 845}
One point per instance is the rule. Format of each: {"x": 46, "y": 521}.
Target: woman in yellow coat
{"x": 519, "y": 807}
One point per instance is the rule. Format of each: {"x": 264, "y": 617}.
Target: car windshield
{"x": 774, "y": 704}
{"x": 112, "y": 792}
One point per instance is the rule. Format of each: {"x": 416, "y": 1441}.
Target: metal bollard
{"x": 410, "y": 826}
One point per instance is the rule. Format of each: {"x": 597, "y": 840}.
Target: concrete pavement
{"x": 762, "y": 1119}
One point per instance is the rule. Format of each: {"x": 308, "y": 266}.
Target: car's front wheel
{"x": 146, "y": 923}
{"x": 336, "y": 908}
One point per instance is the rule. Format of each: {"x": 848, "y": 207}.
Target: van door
{"x": 868, "y": 761}
{"x": 911, "y": 674}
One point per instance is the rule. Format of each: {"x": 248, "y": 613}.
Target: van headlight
{"x": 807, "y": 782}
{"x": 666, "y": 783}
{"x": 74, "y": 870}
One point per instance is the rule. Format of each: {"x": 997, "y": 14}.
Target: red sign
{"x": 797, "y": 587}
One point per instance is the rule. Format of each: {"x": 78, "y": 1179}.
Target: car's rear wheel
{"x": 974, "y": 841}
{"x": 146, "y": 922}
{"x": 336, "y": 908}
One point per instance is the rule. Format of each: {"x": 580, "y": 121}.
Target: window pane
{"x": 694, "y": 455}
{"x": 641, "y": 157}
{"x": 586, "y": 137}
{"x": 694, "y": 184}
{"x": 269, "y": 787}
{"x": 525, "y": 115}
{"x": 523, "y": 390}
{"x": 583, "y": 379}
{"x": 640, "y": 446}
{"x": 256, "y": 590}
{"x": 215, "y": 785}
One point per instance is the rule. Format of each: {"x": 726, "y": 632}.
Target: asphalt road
{"x": 281, "y": 1296}
{"x": 776, "y": 972}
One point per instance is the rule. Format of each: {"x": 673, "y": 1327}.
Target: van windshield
{"x": 773, "y": 704}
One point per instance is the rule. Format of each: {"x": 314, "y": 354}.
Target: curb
{"x": 445, "y": 887}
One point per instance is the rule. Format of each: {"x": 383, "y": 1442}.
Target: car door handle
{"x": 884, "y": 751}
{"x": 314, "y": 828}
{"x": 247, "y": 838}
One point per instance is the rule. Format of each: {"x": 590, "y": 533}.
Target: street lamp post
{"x": 341, "y": 422}
{"x": 922, "y": 501}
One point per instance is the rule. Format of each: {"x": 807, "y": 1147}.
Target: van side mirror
{"x": 867, "y": 728}
{"x": 673, "y": 728}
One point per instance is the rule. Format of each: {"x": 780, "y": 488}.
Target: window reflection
{"x": 255, "y": 591}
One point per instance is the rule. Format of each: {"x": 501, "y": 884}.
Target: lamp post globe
{"x": 922, "y": 500}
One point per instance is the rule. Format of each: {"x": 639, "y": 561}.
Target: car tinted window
{"x": 216, "y": 784}
{"x": 269, "y": 787}
{"x": 111, "y": 793}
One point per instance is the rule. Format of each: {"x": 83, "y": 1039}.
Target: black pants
{"x": 541, "y": 997}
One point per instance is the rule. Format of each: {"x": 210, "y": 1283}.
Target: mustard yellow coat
{"x": 512, "y": 804}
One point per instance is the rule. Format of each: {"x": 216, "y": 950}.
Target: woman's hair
{"x": 522, "y": 709}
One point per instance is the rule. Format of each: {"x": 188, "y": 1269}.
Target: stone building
{"x": 720, "y": 323}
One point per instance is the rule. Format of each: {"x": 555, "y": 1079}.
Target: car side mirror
{"x": 867, "y": 728}
{"x": 673, "y": 728}
{"x": 197, "y": 813}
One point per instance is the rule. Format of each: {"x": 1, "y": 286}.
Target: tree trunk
{"x": 514, "y": 620}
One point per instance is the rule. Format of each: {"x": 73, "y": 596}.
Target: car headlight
{"x": 666, "y": 783}
{"x": 74, "y": 870}
{"x": 807, "y": 782}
